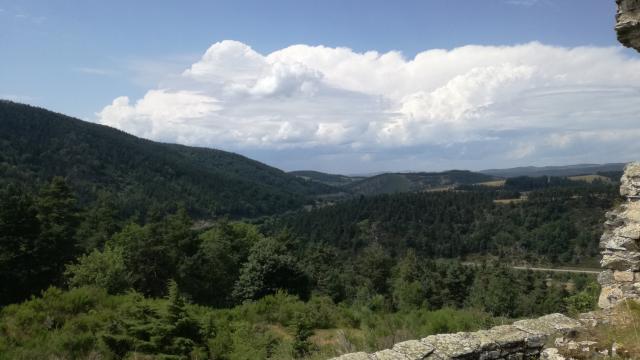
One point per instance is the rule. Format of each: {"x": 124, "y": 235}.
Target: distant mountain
{"x": 37, "y": 144}
{"x": 421, "y": 181}
{"x": 324, "y": 178}
{"x": 568, "y": 170}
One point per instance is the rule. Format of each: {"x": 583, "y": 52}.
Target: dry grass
{"x": 522, "y": 198}
{"x": 623, "y": 331}
{"x": 494, "y": 183}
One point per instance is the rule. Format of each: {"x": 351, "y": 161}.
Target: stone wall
{"x": 523, "y": 339}
{"x": 620, "y": 244}
{"x": 628, "y": 23}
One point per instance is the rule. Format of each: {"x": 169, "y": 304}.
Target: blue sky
{"x": 295, "y": 111}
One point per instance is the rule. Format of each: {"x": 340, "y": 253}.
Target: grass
{"x": 623, "y": 330}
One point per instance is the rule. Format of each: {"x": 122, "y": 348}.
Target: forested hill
{"x": 390, "y": 183}
{"x": 138, "y": 174}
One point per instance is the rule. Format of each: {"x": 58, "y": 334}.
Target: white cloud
{"x": 507, "y": 102}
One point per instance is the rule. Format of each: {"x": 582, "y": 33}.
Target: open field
{"x": 493, "y": 183}
{"x": 522, "y": 198}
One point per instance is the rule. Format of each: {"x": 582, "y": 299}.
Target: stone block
{"x": 414, "y": 349}
{"x": 353, "y": 356}
{"x": 631, "y": 213}
{"x": 631, "y": 231}
{"x": 630, "y": 181}
{"x": 388, "y": 355}
{"x": 613, "y": 242}
{"x": 620, "y": 260}
{"x": 455, "y": 346}
{"x": 506, "y": 338}
{"x": 549, "y": 325}
{"x": 609, "y": 296}
{"x": 623, "y": 276}
{"x": 606, "y": 277}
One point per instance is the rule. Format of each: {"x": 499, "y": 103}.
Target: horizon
{"x": 360, "y": 87}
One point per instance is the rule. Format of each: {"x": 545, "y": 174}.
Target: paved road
{"x": 576, "y": 271}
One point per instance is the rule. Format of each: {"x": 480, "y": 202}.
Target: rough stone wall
{"x": 628, "y": 23}
{"x": 523, "y": 339}
{"x": 620, "y": 244}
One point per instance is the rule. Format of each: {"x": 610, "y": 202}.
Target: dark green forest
{"x": 115, "y": 247}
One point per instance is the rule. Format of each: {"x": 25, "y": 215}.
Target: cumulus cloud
{"x": 508, "y": 103}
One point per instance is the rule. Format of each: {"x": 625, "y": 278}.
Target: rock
{"x": 628, "y": 23}
{"x": 631, "y": 231}
{"x": 613, "y": 218}
{"x": 610, "y": 296}
{"x": 549, "y": 324}
{"x": 606, "y": 277}
{"x": 614, "y": 242}
{"x": 504, "y": 338}
{"x": 620, "y": 260}
{"x": 388, "y": 355}
{"x": 454, "y": 346}
{"x": 631, "y": 213}
{"x": 551, "y": 354}
{"x": 630, "y": 181}
{"x": 353, "y": 356}
{"x": 414, "y": 349}
{"x": 623, "y": 276}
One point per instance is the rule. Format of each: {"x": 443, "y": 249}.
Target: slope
{"x": 36, "y": 144}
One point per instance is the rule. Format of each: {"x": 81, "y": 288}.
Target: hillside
{"x": 420, "y": 181}
{"x": 36, "y": 144}
{"x": 324, "y": 178}
{"x": 564, "y": 171}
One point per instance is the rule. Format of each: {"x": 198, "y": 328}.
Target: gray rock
{"x": 610, "y": 296}
{"x": 414, "y": 349}
{"x": 630, "y": 181}
{"x": 606, "y": 277}
{"x": 354, "y": 356}
{"x": 620, "y": 260}
{"x": 614, "y": 242}
{"x": 388, "y": 355}
{"x": 454, "y": 346}
{"x": 551, "y": 354}
{"x": 613, "y": 218}
{"x": 631, "y": 231}
{"x": 628, "y": 23}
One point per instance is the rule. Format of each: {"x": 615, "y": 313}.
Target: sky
{"x": 344, "y": 86}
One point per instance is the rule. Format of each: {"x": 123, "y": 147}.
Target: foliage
{"x": 37, "y": 237}
{"x": 269, "y": 268}
{"x": 210, "y": 273}
{"x": 104, "y": 269}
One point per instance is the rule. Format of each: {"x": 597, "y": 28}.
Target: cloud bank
{"x": 335, "y": 109}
